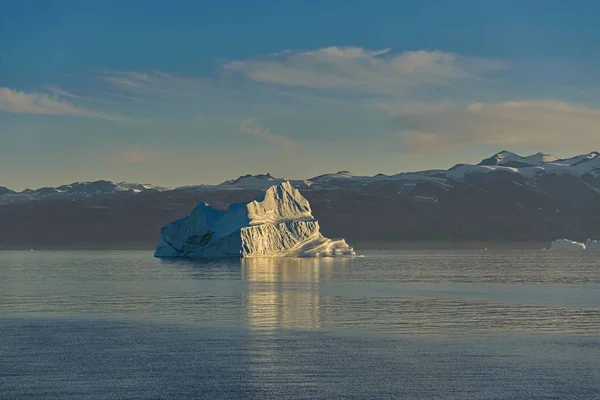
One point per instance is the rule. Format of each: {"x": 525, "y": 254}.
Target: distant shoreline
{"x": 382, "y": 245}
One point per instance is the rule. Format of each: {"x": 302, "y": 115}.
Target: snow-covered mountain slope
{"x": 251, "y": 181}
{"x": 5, "y": 190}
{"x": 530, "y": 167}
{"x": 336, "y": 176}
{"x": 140, "y": 187}
{"x": 500, "y": 203}
{"x": 78, "y": 190}
{"x": 510, "y": 159}
{"x": 501, "y": 166}
{"x": 259, "y": 182}
{"x": 279, "y": 224}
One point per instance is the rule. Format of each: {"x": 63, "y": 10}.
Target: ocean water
{"x": 392, "y": 324}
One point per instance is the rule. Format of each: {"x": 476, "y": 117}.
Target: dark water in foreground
{"x": 410, "y": 324}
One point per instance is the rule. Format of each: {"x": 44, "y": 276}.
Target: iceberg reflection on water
{"x": 284, "y": 292}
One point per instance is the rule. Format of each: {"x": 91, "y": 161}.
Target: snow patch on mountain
{"x": 337, "y": 175}
{"x": 251, "y": 181}
{"x": 530, "y": 167}
{"x": 510, "y": 159}
{"x": 78, "y": 190}
{"x": 140, "y": 187}
{"x": 348, "y": 180}
{"x": 279, "y": 224}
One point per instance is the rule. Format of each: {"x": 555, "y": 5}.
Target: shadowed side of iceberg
{"x": 205, "y": 232}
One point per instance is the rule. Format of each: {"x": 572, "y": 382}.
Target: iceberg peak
{"x": 279, "y": 224}
{"x": 280, "y": 203}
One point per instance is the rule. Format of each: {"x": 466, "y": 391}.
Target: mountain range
{"x": 506, "y": 198}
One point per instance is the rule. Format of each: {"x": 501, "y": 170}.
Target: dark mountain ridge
{"x": 493, "y": 203}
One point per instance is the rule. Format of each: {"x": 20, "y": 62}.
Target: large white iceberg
{"x": 279, "y": 224}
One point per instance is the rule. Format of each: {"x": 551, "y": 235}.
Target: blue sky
{"x": 188, "y": 92}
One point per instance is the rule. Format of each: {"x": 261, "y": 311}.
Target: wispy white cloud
{"x": 360, "y": 70}
{"x": 151, "y": 82}
{"x": 438, "y": 100}
{"x": 528, "y": 123}
{"x": 14, "y": 101}
{"x": 250, "y": 128}
{"x": 58, "y": 92}
{"x": 406, "y": 85}
{"x": 127, "y": 97}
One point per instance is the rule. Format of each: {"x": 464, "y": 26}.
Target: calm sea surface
{"x": 394, "y": 324}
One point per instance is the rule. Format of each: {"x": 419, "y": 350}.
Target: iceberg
{"x": 570, "y": 245}
{"x": 280, "y": 224}
{"x": 592, "y": 245}
{"x": 567, "y": 245}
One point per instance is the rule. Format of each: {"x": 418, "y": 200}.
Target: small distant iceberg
{"x": 280, "y": 224}
{"x": 571, "y": 245}
{"x": 567, "y": 245}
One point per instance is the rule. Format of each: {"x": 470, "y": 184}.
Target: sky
{"x": 188, "y": 92}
